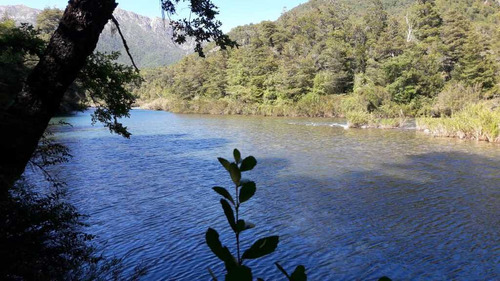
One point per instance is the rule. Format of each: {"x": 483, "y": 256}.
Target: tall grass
{"x": 478, "y": 121}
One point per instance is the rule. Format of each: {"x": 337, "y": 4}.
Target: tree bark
{"x": 23, "y": 123}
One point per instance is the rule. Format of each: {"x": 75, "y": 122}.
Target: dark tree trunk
{"x": 23, "y": 123}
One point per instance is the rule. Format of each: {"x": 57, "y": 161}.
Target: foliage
{"x": 19, "y": 47}
{"x": 359, "y": 50}
{"x": 203, "y": 27}
{"x": 47, "y": 22}
{"x": 41, "y": 237}
{"x": 244, "y": 191}
{"x": 358, "y": 119}
{"x": 476, "y": 66}
{"x": 102, "y": 82}
{"x": 105, "y": 83}
{"x": 455, "y": 97}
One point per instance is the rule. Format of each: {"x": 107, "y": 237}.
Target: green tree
{"x": 427, "y": 21}
{"x": 375, "y": 18}
{"x": 215, "y": 86}
{"x": 335, "y": 63}
{"x": 476, "y": 67}
{"x": 413, "y": 74}
{"x": 20, "y": 48}
{"x": 47, "y": 22}
{"x": 391, "y": 41}
{"x": 454, "y": 34}
{"x": 296, "y": 78}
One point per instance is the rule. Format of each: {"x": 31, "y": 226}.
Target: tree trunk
{"x": 23, "y": 123}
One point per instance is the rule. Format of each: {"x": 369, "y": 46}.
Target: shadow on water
{"x": 428, "y": 218}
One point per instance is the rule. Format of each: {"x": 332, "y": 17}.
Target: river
{"x": 352, "y": 204}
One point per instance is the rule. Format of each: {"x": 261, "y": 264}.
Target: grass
{"x": 479, "y": 121}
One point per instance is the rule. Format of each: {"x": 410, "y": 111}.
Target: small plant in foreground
{"x": 244, "y": 190}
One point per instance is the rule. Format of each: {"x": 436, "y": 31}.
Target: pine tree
{"x": 476, "y": 66}
{"x": 427, "y": 21}
{"x": 375, "y": 19}
{"x": 454, "y": 36}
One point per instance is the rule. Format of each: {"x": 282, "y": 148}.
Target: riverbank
{"x": 323, "y": 107}
{"x": 475, "y": 122}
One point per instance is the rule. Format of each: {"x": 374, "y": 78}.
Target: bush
{"x": 454, "y": 97}
{"x": 41, "y": 237}
{"x": 352, "y": 103}
{"x": 358, "y": 119}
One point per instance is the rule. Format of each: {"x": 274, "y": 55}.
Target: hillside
{"x": 149, "y": 39}
{"x": 365, "y": 60}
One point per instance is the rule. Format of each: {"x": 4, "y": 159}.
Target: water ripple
{"x": 348, "y": 204}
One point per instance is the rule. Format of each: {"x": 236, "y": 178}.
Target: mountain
{"x": 149, "y": 39}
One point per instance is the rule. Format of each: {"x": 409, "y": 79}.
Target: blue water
{"x": 348, "y": 204}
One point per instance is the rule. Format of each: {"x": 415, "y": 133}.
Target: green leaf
{"x": 242, "y": 225}
{"x": 237, "y": 156}
{"x": 228, "y": 211}
{"x": 248, "y": 163}
{"x": 224, "y": 163}
{"x": 247, "y": 191}
{"x": 299, "y": 274}
{"x": 213, "y": 242}
{"x": 385, "y": 278}
{"x": 235, "y": 173}
{"x": 222, "y": 191}
{"x": 262, "y": 247}
{"x": 239, "y": 273}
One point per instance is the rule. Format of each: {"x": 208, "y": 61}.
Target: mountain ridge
{"x": 149, "y": 39}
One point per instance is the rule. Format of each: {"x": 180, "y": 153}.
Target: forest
{"x": 376, "y": 63}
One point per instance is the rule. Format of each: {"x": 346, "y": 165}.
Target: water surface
{"x": 348, "y": 204}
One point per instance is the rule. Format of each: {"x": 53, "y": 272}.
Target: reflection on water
{"x": 348, "y": 204}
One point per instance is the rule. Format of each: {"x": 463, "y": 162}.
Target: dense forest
{"x": 366, "y": 60}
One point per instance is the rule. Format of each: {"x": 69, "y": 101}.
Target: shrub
{"x": 358, "y": 119}
{"x": 454, "y": 97}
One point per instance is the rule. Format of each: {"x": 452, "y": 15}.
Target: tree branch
{"x": 124, "y": 42}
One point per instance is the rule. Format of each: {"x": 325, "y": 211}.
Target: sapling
{"x": 244, "y": 190}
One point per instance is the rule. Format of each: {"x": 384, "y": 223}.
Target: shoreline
{"x": 434, "y": 127}
{"x": 353, "y": 120}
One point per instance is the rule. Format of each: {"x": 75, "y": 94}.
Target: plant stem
{"x": 237, "y": 207}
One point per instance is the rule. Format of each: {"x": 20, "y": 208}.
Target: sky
{"x": 232, "y": 12}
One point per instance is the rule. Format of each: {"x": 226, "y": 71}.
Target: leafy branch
{"x": 244, "y": 190}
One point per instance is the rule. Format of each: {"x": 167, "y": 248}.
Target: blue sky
{"x": 232, "y": 12}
